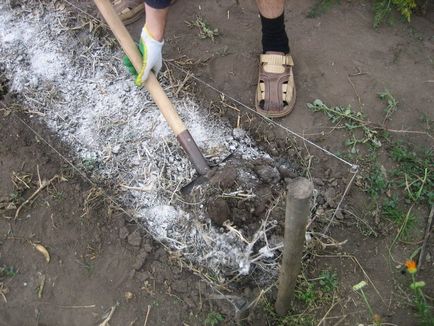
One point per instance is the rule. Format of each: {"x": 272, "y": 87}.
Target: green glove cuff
{"x": 129, "y": 65}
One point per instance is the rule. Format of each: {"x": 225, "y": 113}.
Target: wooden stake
{"x": 297, "y": 213}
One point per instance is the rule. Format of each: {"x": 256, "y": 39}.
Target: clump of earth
{"x": 241, "y": 192}
{"x": 4, "y": 83}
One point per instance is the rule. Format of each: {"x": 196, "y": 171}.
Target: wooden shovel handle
{"x": 131, "y": 50}
{"x": 160, "y": 98}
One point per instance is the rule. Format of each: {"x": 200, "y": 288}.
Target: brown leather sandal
{"x": 129, "y": 11}
{"x": 275, "y": 94}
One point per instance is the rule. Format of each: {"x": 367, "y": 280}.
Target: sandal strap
{"x": 277, "y": 59}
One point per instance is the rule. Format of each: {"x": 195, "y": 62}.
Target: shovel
{"x": 157, "y": 93}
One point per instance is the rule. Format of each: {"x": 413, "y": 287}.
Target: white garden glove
{"x": 152, "y": 56}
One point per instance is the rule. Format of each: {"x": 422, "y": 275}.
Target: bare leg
{"x": 270, "y": 8}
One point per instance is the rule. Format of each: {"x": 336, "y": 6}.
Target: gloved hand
{"x": 152, "y": 57}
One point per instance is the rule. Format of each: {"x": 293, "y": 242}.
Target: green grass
{"x": 290, "y": 319}
{"x": 390, "y": 209}
{"x": 398, "y": 177}
{"x": 309, "y": 295}
{"x": 414, "y": 173}
{"x": 355, "y": 122}
{"x": 426, "y": 120}
{"x": 16, "y": 197}
{"x": 383, "y": 10}
{"x": 89, "y": 164}
{"x": 205, "y": 29}
{"x": 377, "y": 183}
{"x": 306, "y": 293}
{"x": 213, "y": 318}
{"x": 7, "y": 271}
{"x": 392, "y": 104}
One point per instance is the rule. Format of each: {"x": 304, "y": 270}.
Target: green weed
{"x": 214, "y": 318}
{"x": 89, "y": 164}
{"x": 414, "y": 173}
{"x": 16, "y": 197}
{"x": 7, "y": 271}
{"x": 406, "y": 222}
{"x": 427, "y": 122}
{"x": 383, "y": 10}
{"x": 205, "y": 30}
{"x": 290, "y": 319}
{"x": 392, "y": 104}
{"x": 377, "y": 182}
{"x": 351, "y": 121}
{"x": 320, "y": 7}
{"x": 306, "y": 293}
{"x": 328, "y": 281}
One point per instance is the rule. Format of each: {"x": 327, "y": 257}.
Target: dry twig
{"x": 42, "y": 185}
{"x": 3, "y": 291}
{"x": 105, "y": 322}
{"x": 147, "y": 315}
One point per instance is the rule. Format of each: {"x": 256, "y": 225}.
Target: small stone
{"x": 339, "y": 215}
{"x": 135, "y": 239}
{"x": 34, "y": 82}
{"x": 123, "y": 233}
{"x": 239, "y": 133}
{"x": 128, "y": 295}
{"x": 330, "y": 197}
{"x": 285, "y": 172}
{"x": 318, "y": 182}
{"x": 218, "y": 210}
{"x": 320, "y": 199}
{"x": 140, "y": 260}
{"x": 274, "y": 151}
{"x": 116, "y": 149}
{"x": 267, "y": 173}
{"x": 148, "y": 247}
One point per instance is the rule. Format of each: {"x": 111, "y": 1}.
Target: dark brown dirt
{"x": 97, "y": 258}
{"x": 240, "y": 191}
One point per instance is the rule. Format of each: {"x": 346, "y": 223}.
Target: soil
{"x": 260, "y": 182}
{"x": 100, "y": 258}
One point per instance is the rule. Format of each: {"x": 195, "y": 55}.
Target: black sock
{"x": 274, "y": 36}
